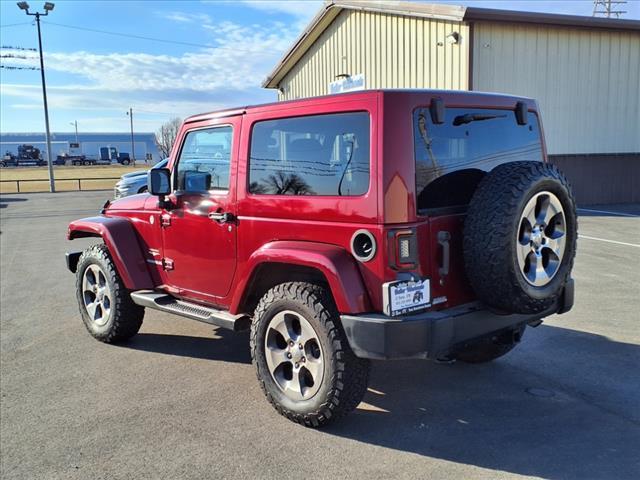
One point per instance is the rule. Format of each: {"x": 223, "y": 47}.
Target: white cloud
{"x": 227, "y": 74}
{"x": 183, "y": 17}
{"x": 239, "y": 58}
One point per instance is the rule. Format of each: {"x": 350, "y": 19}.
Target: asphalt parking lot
{"x": 181, "y": 400}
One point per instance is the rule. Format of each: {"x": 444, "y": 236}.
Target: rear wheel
{"x": 106, "y": 307}
{"x": 303, "y": 361}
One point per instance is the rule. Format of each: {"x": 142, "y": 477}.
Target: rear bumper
{"x": 434, "y": 334}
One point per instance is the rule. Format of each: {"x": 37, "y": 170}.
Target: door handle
{"x": 221, "y": 217}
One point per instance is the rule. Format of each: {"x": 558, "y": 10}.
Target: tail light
{"x": 403, "y": 249}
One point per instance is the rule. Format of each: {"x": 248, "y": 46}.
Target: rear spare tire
{"x": 520, "y": 237}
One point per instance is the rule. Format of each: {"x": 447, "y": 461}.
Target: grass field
{"x": 66, "y": 177}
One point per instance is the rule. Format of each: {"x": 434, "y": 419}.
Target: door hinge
{"x": 165, "y": 220}
{"x": 443, "y": 240}
{"x": 167, "y": 264}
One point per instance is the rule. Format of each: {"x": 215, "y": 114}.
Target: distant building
{"x": 584, "y": 72}
{"x": 90, "y": 143}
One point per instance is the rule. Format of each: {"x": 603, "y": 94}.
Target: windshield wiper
{"x": 473, "y": 117}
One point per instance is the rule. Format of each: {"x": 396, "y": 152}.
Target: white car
{"x": 134, "y": 182}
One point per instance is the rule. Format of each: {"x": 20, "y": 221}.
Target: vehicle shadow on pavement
{"x": 227, "y": 346}
{"x": 4, "y": 200}
{"x": 565, "y": 406}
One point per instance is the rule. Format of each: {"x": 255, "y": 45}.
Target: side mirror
{"x": 159, "y": 181}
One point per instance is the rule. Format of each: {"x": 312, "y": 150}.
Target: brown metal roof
{"x": 455, "y": 13}
{"x": 487, "y": 14}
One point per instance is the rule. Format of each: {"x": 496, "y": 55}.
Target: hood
{"x": 133, "y": 202}
{"x": 134, "y": 174}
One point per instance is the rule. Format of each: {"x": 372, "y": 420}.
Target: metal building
{"x": 584, "y": 72}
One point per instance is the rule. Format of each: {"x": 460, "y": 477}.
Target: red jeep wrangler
{"x": 369, "y": 225}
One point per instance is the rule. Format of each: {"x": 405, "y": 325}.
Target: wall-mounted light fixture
{"x": 453, "y": 38}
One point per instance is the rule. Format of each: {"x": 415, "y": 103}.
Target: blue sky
{"x": 94, "y": 77}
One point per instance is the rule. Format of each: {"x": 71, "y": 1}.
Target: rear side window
{"x": 452, "y": 157}
{"x": 312, "y": 155}
{"x": 205, "y": 159}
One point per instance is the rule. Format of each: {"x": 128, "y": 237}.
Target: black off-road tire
{"x": 491, "y": 232}
{"x": 489, "y": 348}
{"x": 125, "y": 317}
{"x": 345, "y": 377}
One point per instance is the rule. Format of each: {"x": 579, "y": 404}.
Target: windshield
{"x": 451, "y": 157}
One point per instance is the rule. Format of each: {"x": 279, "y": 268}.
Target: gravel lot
{"x": 181, "y": 400}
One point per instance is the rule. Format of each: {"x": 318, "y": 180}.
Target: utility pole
{"x": 48, "y": 6}
{"x": 607, "y": 8}
{"x": 76, "y": 125}
{"x": 133, "y": 146}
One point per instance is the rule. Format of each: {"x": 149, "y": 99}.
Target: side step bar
{"x": 194, "y": 311}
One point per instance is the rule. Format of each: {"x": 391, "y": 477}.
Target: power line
{"x": 152, "y": 39}
{"x": 21, "y": 57}
{"x": 156, "y": 112}
{"x": 15, "y": 24}
{"x": 8, "y": 67}
{"x": 10, "y": 47}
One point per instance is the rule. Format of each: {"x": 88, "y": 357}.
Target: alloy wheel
{"x": 96, "y": 294}
{"x": 294, "y": 355}
{"x": 541, "y": 239}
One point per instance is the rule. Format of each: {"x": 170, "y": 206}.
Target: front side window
{"x": 452, "y": 157}
{"x": 313, "y": 155}
{"x": 205, "y": 160}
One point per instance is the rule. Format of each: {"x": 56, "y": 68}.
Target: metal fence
{"x": 60, "y": 180}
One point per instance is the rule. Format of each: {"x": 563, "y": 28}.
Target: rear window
{"x": 451, "y": 157}
{"x": 312, "y": 155}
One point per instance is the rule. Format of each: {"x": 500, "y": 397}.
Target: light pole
{"x": 48, "y": 6}
{"x": 133, "y": 146}
{"x": 75, "y": 123}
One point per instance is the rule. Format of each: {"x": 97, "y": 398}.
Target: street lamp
{"x": 133, "y": 145}
{"x": 48, "y": 6}
{"x": 75, "y": 123}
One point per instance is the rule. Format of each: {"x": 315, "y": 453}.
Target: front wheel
{"x": 106, "y": 307}
{"x": 303, "y": 361}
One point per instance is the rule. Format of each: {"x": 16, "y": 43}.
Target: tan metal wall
{"x": 392, "y": 51}
{"x": 587, "y": 82}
